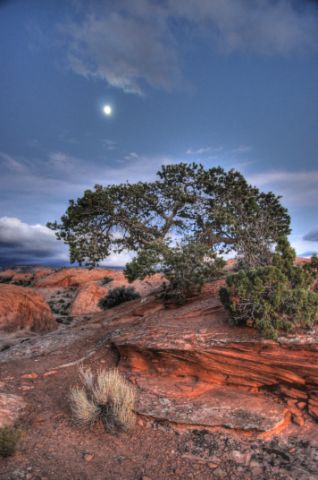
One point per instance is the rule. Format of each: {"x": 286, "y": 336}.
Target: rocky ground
{"x": 213, "y": 401}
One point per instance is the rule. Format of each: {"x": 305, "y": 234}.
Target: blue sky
{"x": 224, "y": 82}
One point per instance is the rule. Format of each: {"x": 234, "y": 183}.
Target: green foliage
{"x": 186, "y": 267}
{"x": 106, "y": 280}
{"x": 216, "y": 208}
{"x": 4, "y": 279}
{"x": 9, "y": 440}
{"x": 274, "y": 297}
{"x": 118, "y": 295}
{"x": 176, "y": 225}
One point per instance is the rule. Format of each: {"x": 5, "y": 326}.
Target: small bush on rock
{"x": 275, "y": 297}
{"x": 106, "y": 280}
{"x": 4, "y": 279}
{"x": 118, "y": 295}
{"x": 9, "y": 440}
{"x": 106, "y": 396}
{"x": 186, "y": 267}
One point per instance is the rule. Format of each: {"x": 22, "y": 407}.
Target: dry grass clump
{"x": 9, "y": 440}
{"x": 105, "y": 395}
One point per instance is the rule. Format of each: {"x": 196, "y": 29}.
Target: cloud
{"x": 24, "y": 243}
{"x": 110, "y": 145}
{"x": 198, "y": 151}
{"x": 242, "y": 149}
{"x": 131, "y": 45}
{"x": 11, "y": 163}
{"x": 122, "y": 47}
{"x": 311, "y": 236}
{"x": 298, "y": 188}
{"x": 262, "y": 27}
{"x": 302, "y": 246}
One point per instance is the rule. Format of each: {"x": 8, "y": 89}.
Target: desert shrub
{"x": 9, "y": 440}
{"x": 275, "y": 297}
{"x": 4, "y": 279}
{"x": 106, "y": 396}
{"x": 118, "y": 295}
{"x": 22, "y": 283}
{"x": 106, "y": 280}
{"x": 186, "y": 267}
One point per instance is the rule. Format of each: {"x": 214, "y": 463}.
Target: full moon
{"x": 107, "y": 109}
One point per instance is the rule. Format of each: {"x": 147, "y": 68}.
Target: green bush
{"x": 106, "y": 280}
{"x": 9, "y": 440}
{"x": 118, "y": 295}
{"x": 186, "y": 267}
{"x": 275, "y": 297}
{"x": 5, "y": 279}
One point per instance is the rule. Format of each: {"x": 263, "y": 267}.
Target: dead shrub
{"x": 105, "y": 395}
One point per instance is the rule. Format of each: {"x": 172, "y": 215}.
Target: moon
{"x": 107, "y": 109}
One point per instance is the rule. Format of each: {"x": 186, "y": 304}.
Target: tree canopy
{"x": 215, "y": 209}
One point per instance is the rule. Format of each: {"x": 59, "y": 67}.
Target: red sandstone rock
{"x": 7, "y": 274}
{"x": 22, "y": 277}
{"x": 217, "y": 407}
{"x": 42, "y": 272}
{"x": 73, "y": 277}
{"x": 193, "y": 350}
{"x": 87, "y": 298}
{"x": 89, "y": 295}
{"x": 22, "y": 308}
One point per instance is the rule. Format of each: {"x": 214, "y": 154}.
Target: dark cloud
{"x": 308, "y": 254}
{"x": 312, "y": 236}
{"x": 21, "y": 243}
{"x": 128, "y": 47}
{"x": 133, "y": 44}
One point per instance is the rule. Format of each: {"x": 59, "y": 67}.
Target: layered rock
{"x": 187, "y": 357}
{"x": 89, "y": 294}
{"x": 22, "y": 308}
{"x": 73, "y": 277}
{"x": 87, "y": 299}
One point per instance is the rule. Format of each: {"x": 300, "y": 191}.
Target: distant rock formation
{"x": 87, "y": 298}
{"x": 22, "y": 308}
{"x": 73, "y": 277}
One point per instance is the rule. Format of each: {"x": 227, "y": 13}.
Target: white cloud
{"x": 198, "y": 151}
{"x": 110, "y": 145}
{"x": 11, "y": 163}
{"x": 242, "y": 149}
{"x": 298, "y": 188}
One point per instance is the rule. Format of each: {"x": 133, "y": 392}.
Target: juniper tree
{"x": 185, "y": 207}
{"x": 274, "y": 297}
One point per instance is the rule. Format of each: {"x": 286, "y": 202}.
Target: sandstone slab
{"x": 193, "y": 349}
{"x": 218, "y": 407}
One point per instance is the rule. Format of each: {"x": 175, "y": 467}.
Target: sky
{"x": 224, "y": 82}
